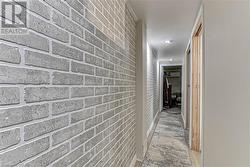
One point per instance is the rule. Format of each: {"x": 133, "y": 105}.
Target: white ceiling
{"x": 167, "y": 20}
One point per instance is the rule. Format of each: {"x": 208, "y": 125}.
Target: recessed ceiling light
{"x": 168, "y": 41}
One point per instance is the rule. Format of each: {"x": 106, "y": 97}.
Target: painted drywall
{"x": 226, "y": 80}
{"x": 185, "y": 95}
{"x": 141, "y": 68}
{"x": 171, "y": 59}
{"x": 147, "y": 89}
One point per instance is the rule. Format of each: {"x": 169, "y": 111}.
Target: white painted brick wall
{"x": 67, "y": 88}
{"x": 153, "y": 83}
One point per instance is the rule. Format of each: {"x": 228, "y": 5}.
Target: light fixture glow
{"x": 168, "y": 42}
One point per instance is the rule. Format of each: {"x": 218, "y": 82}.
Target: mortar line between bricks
{"x": 64, "y": 29}
{"x": 84, "y": 40}
{"x": 32, "y": 67}
{"x": 22, "y": 94}
{"x": 53, "y": 8}
{"x": 37, "y": 68}
{"x": 124, "y": 147}
{"x": 50, "y": 110}
{"x": 21, "y": 135}
{"x": 20, "y": 145}
{"x": 45, "y": 20}
{"x": 48, "y": 69}
{"x": 44, "y": 135}
{"x": 55, "y": 55}
{"x": 111, "y": 110}
{"x": 81, "y": 25}
{"x": 84, "y": 7}
{"x": 23, "y": 46}
{"x": 70, "y": 12}
{"x": 61, "y": 115}
{"x": 34, "y": 122}
{"x": 75, "y": 98}
{"x": 38, "y": 103}
{"x": 71, "y": 150}
{"x": 50, "y": 51}
{"x": 108, "y": 151}
{"x": 96, "y": 145}
{"x": 42, "y": 153}
{"x": 103, "y": 42}
{"x": 98, "y": 125}
{"x": 112, "y": 147}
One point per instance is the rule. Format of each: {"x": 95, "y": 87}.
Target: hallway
{"x": 83, "y": 83}
{"x": 168, "y": 147}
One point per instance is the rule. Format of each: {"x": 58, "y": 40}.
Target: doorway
{"x": 172, "y": 87}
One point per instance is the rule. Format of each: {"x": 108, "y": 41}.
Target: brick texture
{"x": 68, "y": 86}
{"x": 152, "y": 106}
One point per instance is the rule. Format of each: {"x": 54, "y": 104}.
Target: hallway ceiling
{"x": 167, "y": 20}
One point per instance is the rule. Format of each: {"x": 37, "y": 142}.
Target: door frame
{"x": 196, "y": 64}
{"x": 197, "y": 31}
{"x": 186, "y": 81}
{"x": 163, "y": 64}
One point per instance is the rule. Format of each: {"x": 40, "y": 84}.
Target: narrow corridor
{"x": 83, "y": 83}
{"x": 168, "y": 147}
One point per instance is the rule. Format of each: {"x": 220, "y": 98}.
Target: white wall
{"x": 184, "y": 91}
{"x": 227, "y": 84}
{"x": 141, "y": 68}
{"x": 152, "y": 94}
{"x": 147, "y": 89}
{"x": 172, "y": 60}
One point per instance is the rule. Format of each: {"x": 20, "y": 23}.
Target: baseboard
{"x": 183, "y": 119}
{"x": 149, "y": 135}
{"x": 150, "y": 128}
{"x": 150, "y": 132}
{"x": 132, "y": 164}
{"x": 153, "y": 123}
